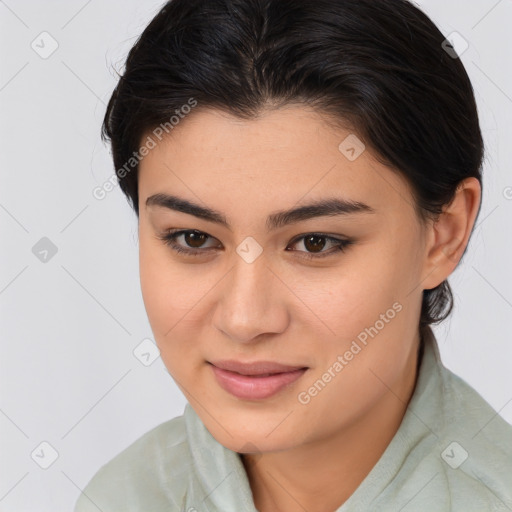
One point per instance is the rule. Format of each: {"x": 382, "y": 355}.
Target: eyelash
{"x": 170, "y": 237}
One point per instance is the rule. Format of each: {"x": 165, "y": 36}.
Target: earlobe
{"x": 450, "y": 233}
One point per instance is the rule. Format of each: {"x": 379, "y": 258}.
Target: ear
{"x": 448, "y": 236}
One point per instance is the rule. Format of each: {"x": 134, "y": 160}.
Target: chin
{"x": 253, "y": 440}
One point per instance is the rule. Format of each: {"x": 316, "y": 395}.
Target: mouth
{"x": 255, "y": 381}
{"x": 255, "y": 368}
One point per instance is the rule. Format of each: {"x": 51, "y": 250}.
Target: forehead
{"x": 283, "y": 155}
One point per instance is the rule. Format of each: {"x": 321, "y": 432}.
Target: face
{"x": 334, "y": 290}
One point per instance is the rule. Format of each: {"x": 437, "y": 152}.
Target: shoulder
{"x": 151, "y": 472}
{"x": 470, "y": 416}
{"x": 474, "y": 444}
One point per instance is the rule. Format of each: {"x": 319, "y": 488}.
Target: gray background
{"x": 70, "y": 324}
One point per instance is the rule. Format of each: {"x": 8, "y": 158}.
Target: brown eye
{"x": 195, "y": 238}
{"x": 314, "y": 244}
{"x": 191, "y": 244}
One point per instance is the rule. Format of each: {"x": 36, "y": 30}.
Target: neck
{"x": 320, "y": 476}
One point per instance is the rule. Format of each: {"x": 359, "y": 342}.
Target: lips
{"x": 257, "y": 380}
{"x": 255, "y": 368}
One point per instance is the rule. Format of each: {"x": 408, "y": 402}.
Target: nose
{"x": 252, "y": 302}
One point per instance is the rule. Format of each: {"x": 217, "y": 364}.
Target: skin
{"x": 286, "y": 308}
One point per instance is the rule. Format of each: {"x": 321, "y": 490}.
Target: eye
{"x": 314, "y": 242}
{"x": 191, "y": 236}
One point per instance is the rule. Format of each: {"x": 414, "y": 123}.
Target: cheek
{"x": 163, "y": 289}
{"x": 165, "y": 300}
{"x": 366, "y": 285}
{"x": 175, "y": 299}
{"x": 369, "y": 310}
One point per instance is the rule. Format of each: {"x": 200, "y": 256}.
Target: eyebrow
{"x": 325, "y": 207}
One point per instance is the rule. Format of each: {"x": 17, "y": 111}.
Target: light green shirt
{"x": 452, "y": 453}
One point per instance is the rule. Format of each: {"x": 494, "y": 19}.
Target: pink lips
{"x": 257, "y": 380}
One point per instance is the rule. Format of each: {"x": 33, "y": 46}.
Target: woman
{"x": 306, "y": 176}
